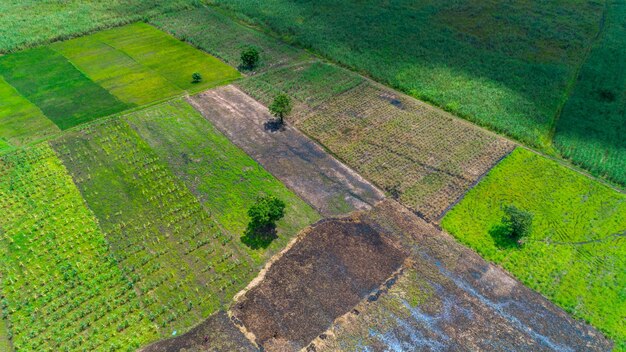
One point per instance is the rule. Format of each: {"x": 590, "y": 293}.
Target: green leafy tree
{"x": 249, "y": 58}
{"x": 263, "y": 215}
{"x": 281, "y": 107}
{"x": 517, "y": 223}
{"x": 196, "y": 77}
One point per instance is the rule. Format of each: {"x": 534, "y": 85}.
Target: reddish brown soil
{"x": 329, "y": 270}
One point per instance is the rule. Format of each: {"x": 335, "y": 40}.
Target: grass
{"x": 592, "y": 126}
{"x": 32, "y": 22}
{"x": 172, "y": 59}
{"x": 61, "y": 288}
{"x": 115, "y": 71}
{"x": 223, "y": 177}
{"x": 63, "y": 93}
{"x": 218, "y": 35}
{"x": 575, "y": 254}
{"x": 21, "y": 121}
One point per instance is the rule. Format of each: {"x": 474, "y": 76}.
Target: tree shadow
{"x": 274, "y": 126}
{"x": 262, "y": 237}
{"x": 501, "y": 237}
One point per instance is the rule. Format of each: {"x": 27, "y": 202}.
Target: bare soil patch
{"x": 323, "y": 275}
{"x": 448, "y": 298}
{"x": 216, "y": 334}
{"x": 321, "y": 180}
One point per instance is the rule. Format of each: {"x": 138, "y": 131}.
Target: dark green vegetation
{"x": 63, "y": 93}
{"x": 575, "y": 253}
{"x": 263, "y": 215}
{"x": 82, "y": 79}
{"x": 28, "y": 23}
{"x": 281, "y": 106}
{"x": 249, "y": 58}
{"x": 516, "y": 224}
{"x": 592, "y": 128}
{"x": 504, "y": 65}
{"x": 220, "y": 36}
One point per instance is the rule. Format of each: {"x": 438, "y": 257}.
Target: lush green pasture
{"x": 575, "y": 254}
{"x": 223, "y": 177}
{"x": 63, "y": 93}
{"x": 61, "y": 288}
{"x": 174, "y": 60}
{"x": 220, "y": 36}
{"x": 115, "y": 71}
{"x": 20, "y": 121}
{"x": 183, "y": 264}
{"x": 310, "y": 83}
{"x": 592, "y": 128}
{"x": 27, "y": 23}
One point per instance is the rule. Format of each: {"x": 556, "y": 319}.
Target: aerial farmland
{"x": 226, "y": 175}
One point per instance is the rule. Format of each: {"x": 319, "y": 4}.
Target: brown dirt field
{"x": 216, "y": 334}
{"x": 318, "y": 178}
{"x": 334, "y": 265}
{"x": 449, "y": 299}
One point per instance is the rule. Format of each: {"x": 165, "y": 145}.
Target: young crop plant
{"x": 573, "y": 253}
{"x": 61, "y": 286}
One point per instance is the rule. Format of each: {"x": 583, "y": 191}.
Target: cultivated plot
{"x": 575, "y": 253}
{"x": 219, "y": 35}
{"x": 301, "y": 164}
{"x": 448, "y": 298}
{"x": 61, "y": 287}
{"x": 418, "y": 154}
{"x": 63, "y": 93}
{"x": 223, "y": 177}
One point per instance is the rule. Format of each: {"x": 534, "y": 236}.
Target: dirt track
{"x": 317, "y": 177}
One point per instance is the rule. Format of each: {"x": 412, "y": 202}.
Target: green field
{"x": 80, "y": 80}
{"x": 61, "y": 288}
{"x": 504, "y": 65}
{"x": 592, "y": 128}
{"x": 63, "y": 93}
{"x": 28, "y": 23}
{"x": 223, "y": 177}
{"x": 575, "y": 254}
{"x": 220, "y": 36}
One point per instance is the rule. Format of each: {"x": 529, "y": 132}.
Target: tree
{"x": 281, "y": 107}
{"x": 249, "y": 58}
{"x": 196, "y": 77}
{"x": 263, "y": 215}
{"x": 517, "y": 223}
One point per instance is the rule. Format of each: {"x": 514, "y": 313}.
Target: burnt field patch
{"x": 216, "y": 334}
{"x": 447, "y": 298}
{"x": 332, "y": 266}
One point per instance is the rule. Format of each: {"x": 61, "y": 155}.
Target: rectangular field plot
{"x": 116, "y": 71}
{"x": 575, "y": 254}
{"x": 64, "y": 94}
{"x": 21, "y": 121}
{"x": 183, "y": 264}
{"x": 221, "y": 36}
{"x": 223, "y": 177}
{"x": 61, "y": 288}
{"x": 417, "y": 154}
{"x": 174, "y": 60}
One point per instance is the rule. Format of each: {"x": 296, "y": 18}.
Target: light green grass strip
{"x": 115, "y": 71}
{"x": 171, "y": 58}
{"x": 21, "y": 121}
{"x": 574, "y": 254}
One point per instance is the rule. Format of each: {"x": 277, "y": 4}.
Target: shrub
{"x": 263, "y": 215}
{"x": 517, "y": 223}
{"x": 196, "y": 77}
{"x": 249, "y": 58}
